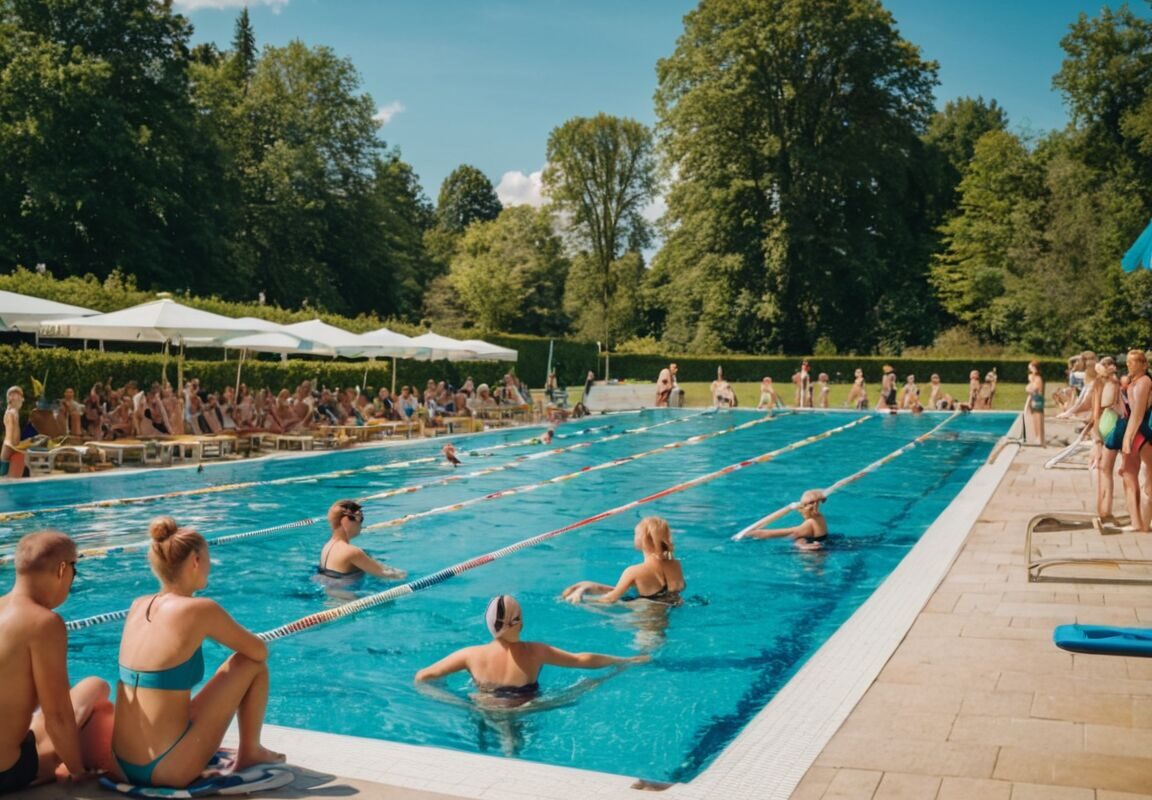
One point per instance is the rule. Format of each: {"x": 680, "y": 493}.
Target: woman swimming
{"x": 811, "y": 534}
{"x": 507, "y": 667}
{"x": 162, "y": 735}
{"x": 339, "y": 558}
{"x": 659, "y": 577}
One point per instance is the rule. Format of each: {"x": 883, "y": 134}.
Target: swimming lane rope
{"x": 97, "y": 552}
{"x": 531, "y": 487}
{"x": 380, "y": 598}
{"x": 840, "y": 484}
{"x": 371, "y": 601}
{"x": 232, "y": 487}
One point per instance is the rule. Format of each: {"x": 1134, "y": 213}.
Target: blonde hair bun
{"x": 161, "y": 528}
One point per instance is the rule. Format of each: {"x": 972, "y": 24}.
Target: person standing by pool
{"x": 1034, "y": 406}
{"x": 46, "y": 729}
{"x": 811, "y": 534}
{"x": 15, "y": 400}
{"x": 664, "y": 385}
{"x": 1137, "y": 437}
{"x": 339, "y": 558}
{"x": 507, "y": 667}
{"x": 659, "y": 577}
{"x": 768, "y": 397}
{"x": 163, "y": 736}
{"x": 911, "y": 395}
{"x": 887, "y": 400}
{"x": 1107, "y": 410}
{"x": 858, "y": 394}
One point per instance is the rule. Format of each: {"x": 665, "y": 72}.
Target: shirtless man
{"x": 664, "y": 385}
{"x": 71, "y": 733}
{"x": 11, "y": 429}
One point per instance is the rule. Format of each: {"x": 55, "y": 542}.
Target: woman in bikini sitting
{"x": 507, "y": 667}
{"x": 342, "y": 560}
{"x": 162, "y": 735}
{"x": 659, "y": 577}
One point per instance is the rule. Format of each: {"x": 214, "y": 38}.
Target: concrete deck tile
{"x": 915, "y": 757}
{"x": 1102, "y": 709}
{"x": 1118, "y": 741}
{"x": 1003, "y": 704}
{"x": 895, "y": 698}
{"x": 1087, "y": 770}
{"x": 1032, "y": 791}
{"x": 898, "y": 786}
{"x": 1041, "y": 734}
{"x": 908, "y": 724}
{"x": 814, "y": 784}
{"x": 972, "y": 788}
{"x": 853, "y": 784}
{"x": 1107, "y": 794}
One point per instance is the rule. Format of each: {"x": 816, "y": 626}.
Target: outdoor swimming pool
{"x": 755, "y": 611}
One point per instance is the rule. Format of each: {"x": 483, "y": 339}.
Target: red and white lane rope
{"x": 372, "y": 601}
{"x": 840, "y": 484}
{"x": 231, "y": 487}
{"x": 531, "y": 487}
{"x": 98, "y": 552}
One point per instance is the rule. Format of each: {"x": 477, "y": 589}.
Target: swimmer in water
{"x": 449, "y": 451}
{"x": 340, "y": 559}
{"x": 508, "y": 668}
{"x": 659, "y": 577}
{"x": 811, "y": 534}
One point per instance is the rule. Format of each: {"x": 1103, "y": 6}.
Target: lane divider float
{"x": 840, "y": 484}
{"x": 380, "y": 598}
{"x": 112, "y": 616}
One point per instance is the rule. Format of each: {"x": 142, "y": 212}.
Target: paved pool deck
{"x": 976, "y": 702}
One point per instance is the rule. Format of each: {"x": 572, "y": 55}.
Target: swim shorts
{"x": 21, "y": 774}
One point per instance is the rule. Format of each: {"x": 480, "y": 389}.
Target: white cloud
{"x": 386, "y": 113}
{"x": 197, "y": 5}
{"x": 517, "y": 189}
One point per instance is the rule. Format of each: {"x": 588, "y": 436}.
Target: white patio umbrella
{"x": 157, "y": 321}
{"x": 443, "y": 348}
{"x": 274, "y": 340}
{"x": 384, "y": 342}
{"x": 335, "y": 341}
{"x": 486, "y": 351}
{"x": 21, "y": 312}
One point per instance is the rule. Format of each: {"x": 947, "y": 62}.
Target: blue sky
{"x": 483, "y": 82}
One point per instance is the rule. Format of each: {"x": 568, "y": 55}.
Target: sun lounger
{"x": 1110, "y": 561}
{"x": 44, "y": 462}
{"x": 285, "y": 441}
{"x": 1104, "y": 640}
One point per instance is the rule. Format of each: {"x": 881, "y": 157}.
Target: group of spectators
{"x": 109, "y": 413}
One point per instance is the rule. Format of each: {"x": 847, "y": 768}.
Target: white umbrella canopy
{"x": 328, "y": 339}
{"x": 486, "y": 351}
{"x": 21, "y": 312}
{"x": 384, "y": 342}
{"x": 158, "y": 321}
{"x": 275, "y": 342}
{"x": 443, "y": 348}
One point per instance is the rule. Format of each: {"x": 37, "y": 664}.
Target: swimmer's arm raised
{"x": 562, "y": 658}
{"x": 575, "y": 593}
{"x": 803, "y": 529}
{"x": 456, "y": 662}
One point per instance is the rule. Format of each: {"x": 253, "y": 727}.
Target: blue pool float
{"x": 1104, "y": 640}
{"x": 257, "y": 778}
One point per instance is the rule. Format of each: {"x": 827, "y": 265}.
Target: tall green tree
{"x": 244, "y": 54}
{"x": 105, "y": 164}
{"x": 466, "y": 196}
{"x": 601, "y": 175}
{"x": 509, "y": 273}
{"x": 793, "y": 128}
{"x": 990, "y": 244}
{"x": 951, "y": 142}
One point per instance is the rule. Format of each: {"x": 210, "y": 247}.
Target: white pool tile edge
{"x": 772, "y": 753}
{"x": 768, "y": 758}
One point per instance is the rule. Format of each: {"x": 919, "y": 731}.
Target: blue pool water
{"x": 755, "y": 610}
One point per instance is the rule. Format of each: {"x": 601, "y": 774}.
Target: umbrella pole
{"x": 239, "y": 366}
{"x": 393, "y": 376}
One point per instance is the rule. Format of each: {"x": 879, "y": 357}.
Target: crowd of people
{"x": 1117, "y": 411}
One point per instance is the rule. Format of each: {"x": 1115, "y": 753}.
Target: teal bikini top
{"x": 178, "y": 678}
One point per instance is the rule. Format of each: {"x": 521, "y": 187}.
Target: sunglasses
{"x": 75, "y": 571}
{"x": 355, "y": 515}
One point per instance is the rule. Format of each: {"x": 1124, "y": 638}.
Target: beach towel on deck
{"x": 257, "y": 778}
